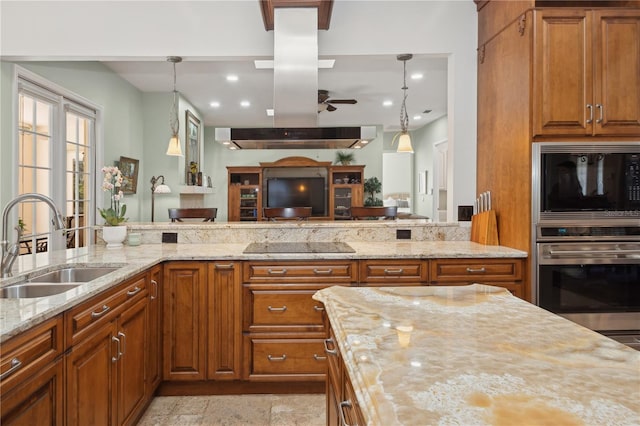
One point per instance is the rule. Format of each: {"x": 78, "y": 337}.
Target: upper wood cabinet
{"x": 586, "y": 75}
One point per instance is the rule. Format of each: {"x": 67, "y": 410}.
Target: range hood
{"x": 296, "y": 138}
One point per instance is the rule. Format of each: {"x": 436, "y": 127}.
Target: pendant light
{"x": 175, "y": 147}
{"x": 404, "y": 139}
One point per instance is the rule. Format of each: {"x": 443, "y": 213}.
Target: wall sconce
{"x": 160, "y": 188}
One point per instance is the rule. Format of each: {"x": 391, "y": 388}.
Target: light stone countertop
{"x": 477, "y": 356}
{"x": 17, "y": 315}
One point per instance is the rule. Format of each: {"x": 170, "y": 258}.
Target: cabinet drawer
{"x": 23, "y": 355}
{"x": 475, "y": 270}
{"x": 277, "y": 307}
{"x": 389, "y": 272}
{"x": 102, "y": 308}
{"x": 288, "y": 357}
{"x": 335, "y": 272}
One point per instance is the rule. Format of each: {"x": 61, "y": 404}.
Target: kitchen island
{"x": 474, "y": 355}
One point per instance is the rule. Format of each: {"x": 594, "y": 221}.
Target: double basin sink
{"x": 54, "y": 282}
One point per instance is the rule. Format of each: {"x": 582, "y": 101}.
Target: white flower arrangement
{"x": 114, "y": 215}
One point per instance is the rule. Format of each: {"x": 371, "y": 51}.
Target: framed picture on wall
{"x": 129, "y": 169}
{"x": 192, "y": 143}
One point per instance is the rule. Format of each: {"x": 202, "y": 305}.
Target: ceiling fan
{"x": 325, "y": 103}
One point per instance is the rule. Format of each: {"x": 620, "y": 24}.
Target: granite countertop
{"x": 477, "y": 355}
{"x": 17, "y": 315}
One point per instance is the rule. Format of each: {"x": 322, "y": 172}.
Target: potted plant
{"x": 113, "y": 232}
{"x": 344, "y": 158}
{"x": 372, "y": 186}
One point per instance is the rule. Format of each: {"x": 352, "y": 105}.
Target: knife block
{"x": 484, "y": 228}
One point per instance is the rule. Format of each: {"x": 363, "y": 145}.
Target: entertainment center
{"x": 330, "y": 190}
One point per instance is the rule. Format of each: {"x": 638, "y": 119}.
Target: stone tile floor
{"x": 236, "y": 410}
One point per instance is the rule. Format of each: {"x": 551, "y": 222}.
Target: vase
{"x": 114, "y": 235}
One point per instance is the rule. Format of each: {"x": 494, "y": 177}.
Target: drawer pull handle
{"x": 476, "y": 271}
{"x": 272, "y": 309}
{"x": 318, "y": 308}
{"x": 323, "y": 271}
{"x": 277, "y": 271}
{"x": 277, "y": 358}
{"x": 343, "y": 405}
{"x": 398, "y": 271}
{"x": 333, "y": 351}
{"x": 15, "y": 364}
{"x": 319, "y": 358}
{"x": 155, "y": 290}
{"x": 590, "y": 119}
{"x": 221, "y": 266}
{"x": 104, "y": 310}
{"x": 124, "y": 341}
{"x": 118, "y": 354}
{"x": 133, "y": 292}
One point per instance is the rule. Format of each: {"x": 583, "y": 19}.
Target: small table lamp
{"x": 160, "y": 188}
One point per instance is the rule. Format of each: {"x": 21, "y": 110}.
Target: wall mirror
{"x": 192, "y": 148}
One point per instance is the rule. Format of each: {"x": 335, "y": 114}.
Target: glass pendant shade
{"x": 174, "y": 147}
{"x": 404, "y": 143}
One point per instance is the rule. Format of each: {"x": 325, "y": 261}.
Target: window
{"x": 56, "y": 157}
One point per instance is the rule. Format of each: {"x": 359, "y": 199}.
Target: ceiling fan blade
{"x": 323, "y": 95}
{"x": 343, "y": 101}
{"x": 331, "y": 107}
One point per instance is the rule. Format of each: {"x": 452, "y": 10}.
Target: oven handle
{"x": 587, "y": 252}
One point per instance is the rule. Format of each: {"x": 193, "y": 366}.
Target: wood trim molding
{"x": 324, "y": 10}
{"x": 522, "y": 24}
{"x": 297, "y": 162}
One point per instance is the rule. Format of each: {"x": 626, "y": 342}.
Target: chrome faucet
{"x": 10, "y": 251}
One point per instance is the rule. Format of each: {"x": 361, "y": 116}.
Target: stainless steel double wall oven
{"x": 586, "y": 227}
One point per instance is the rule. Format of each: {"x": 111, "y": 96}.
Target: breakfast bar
{"x": 471, "y": 355}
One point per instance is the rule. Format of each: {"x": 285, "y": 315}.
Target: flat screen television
{"x": 298, "y": 192}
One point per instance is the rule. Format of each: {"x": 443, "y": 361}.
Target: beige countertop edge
{"x": 17, "y": 315}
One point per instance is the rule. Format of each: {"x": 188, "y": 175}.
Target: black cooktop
{"x": 302, "y": 247}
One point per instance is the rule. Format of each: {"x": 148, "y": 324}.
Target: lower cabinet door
{"x": 36, "y": 401}
{"x": 132, "y": 327}
{"x": 90, "y": 379}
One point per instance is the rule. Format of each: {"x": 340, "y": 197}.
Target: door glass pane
{"x": 43, "y": 151}
{"x": 26, "y": 149}
{"x": 43, "y": 118}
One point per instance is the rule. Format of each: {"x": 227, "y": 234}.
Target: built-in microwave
{"x": 585, "y": 180}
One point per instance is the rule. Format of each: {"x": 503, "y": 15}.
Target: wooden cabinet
{"x": 347, "y": 190}
{"x": 31, "y": 380}
{"x": 394, "y": 272}
{"x": 586, "y": 72}
{"x": 185, "y": 320}
{"x": 282, "y": 324}
{"x": 505, "y": 273}
{"x": 244, "y": 194}
{"x": 224, "y": 322}
{"x": 154, "y": 335}
{"x": 105, "y": 369}
{"x": 342, "y": 405}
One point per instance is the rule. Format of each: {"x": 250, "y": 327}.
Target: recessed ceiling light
{"x": 417, "y": 117}
{"x": 416, "y": 76}
{"x": 364, "y": 142}
{"x": 226, "y": 143}
{"x": 270, "y": 112}
{"x": 265, "y": 64}
{"x": 245, "y": 104}
{"x": 357, "y": 147}
{"x": 233, "y": 147}
{"x": 214, "y": 104}
{"x": 232, "y": 77}
{"x": 387, "y": 103}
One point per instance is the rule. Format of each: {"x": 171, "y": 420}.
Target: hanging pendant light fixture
{"x": 175, "y": 147}
{"x": 404, "y": 139}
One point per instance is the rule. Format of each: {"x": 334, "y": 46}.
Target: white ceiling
{"x": 369, "y": 79}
